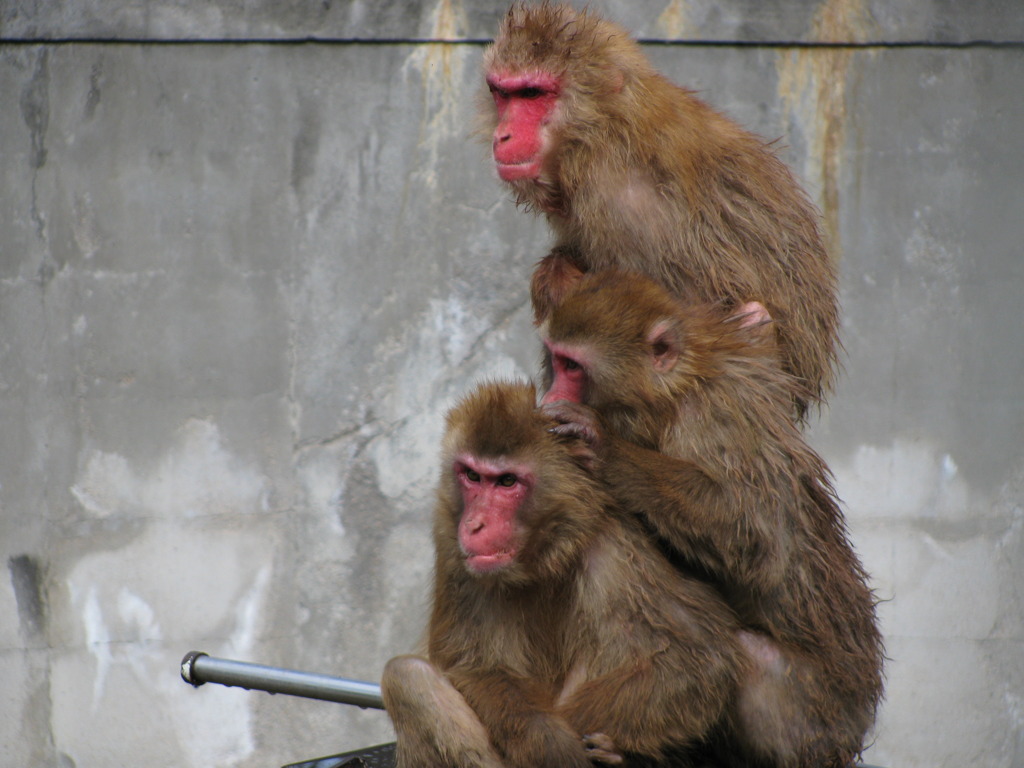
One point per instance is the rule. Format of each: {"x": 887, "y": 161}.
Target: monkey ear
{"x": 665, "y": 344}
{"x": 753, "y": 314}
{"x": 755, "y": 323}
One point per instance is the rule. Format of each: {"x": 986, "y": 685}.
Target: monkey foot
{"x": 601, "y": 749}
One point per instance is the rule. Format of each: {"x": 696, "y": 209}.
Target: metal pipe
{"x": 198, "y": 668}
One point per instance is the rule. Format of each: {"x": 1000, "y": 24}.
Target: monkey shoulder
{"x": 743, "y": 410}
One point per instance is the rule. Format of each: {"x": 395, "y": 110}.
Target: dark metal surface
{"x": 380, "y": 756}
{"x": 383, "y": 756}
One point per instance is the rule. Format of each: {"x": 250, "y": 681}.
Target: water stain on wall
{"x": 440, "y": 66}
{"x": 674, "y": 20}
{"x": 29, "y": 584}
{"x": 813, "y": 86}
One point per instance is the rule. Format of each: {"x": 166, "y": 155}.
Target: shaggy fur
{"x": 704, "y": 453}
{"x": 639, "y": 174}
{"x": 591, "y": 641}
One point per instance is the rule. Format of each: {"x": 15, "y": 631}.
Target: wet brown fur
{"x": 593, "y": 631}
{"x": 706, "y": 454}
{"x": 641, "y": 175}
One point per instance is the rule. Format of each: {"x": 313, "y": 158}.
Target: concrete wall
{"x": 242, "y": 276}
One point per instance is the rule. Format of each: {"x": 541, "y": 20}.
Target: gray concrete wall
{"x": 242, "y": 277}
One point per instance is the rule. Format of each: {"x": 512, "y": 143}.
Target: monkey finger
{"x": 575, "y": 421}
{"x": 601, "y": 749}
{"x": 579, "y": 431}
{"x": 581, "y": 450}
{"x": 567, "y": 412}
{"x": 572, "y": 429}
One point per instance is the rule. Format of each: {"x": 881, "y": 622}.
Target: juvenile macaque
{"x": 635, "y": 173}
{"x": 685, "y": 411}
{"x": 559, "y": 635}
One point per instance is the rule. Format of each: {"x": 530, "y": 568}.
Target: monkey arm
{"x": 648, "y": 706}
{"x": 733, "y": 527}
{"x": 729, "y": 528}
{"x": 665, "y": 661}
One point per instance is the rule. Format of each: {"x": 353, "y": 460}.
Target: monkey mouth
{"x": 490, "y": 562}
{"x": 527, "y": 169}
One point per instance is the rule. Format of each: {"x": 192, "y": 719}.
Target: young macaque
{"x": 685, "y": 411}
{"x": 635, "y": 173}
{"x": 559, "y": 635}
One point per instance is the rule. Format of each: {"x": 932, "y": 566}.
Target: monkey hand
{"x": 554, "y": 278}
{"x": 601, "y": 749}
{"x": 581, "y": 422}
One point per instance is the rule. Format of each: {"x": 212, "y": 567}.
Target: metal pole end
{"x": 187, "y": 668}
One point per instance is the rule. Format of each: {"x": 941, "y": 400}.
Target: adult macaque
{"x": 558, "y": 635}
{"x": 685, "y": 412}
{"x": 635, "y": 173}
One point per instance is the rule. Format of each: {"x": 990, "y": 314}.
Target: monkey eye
{"x": 529, "y": 93}
{"x": 507, "y": 480}
{"x": 473, "y": 477}
{"x": 568, "y": 364}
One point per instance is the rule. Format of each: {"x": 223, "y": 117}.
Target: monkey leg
{"x": 435, "y": 726}
{"x": 788, "y": 714}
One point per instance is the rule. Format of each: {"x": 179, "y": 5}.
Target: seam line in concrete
{"x": 486, "y": 41}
